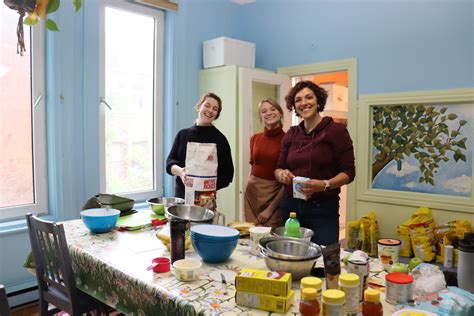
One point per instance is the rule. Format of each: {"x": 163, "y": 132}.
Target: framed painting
{"x": 417, "y": 149}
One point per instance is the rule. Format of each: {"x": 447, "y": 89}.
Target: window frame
{"x": 159, "y": 17}
{"x": 38, "y": 121}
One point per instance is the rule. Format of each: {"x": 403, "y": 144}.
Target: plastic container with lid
{"x": 399, "y": 288}
{"x": 333, "y": 302}
{"x": 349, "y": 283}
{"x": 312, "y": 282}
{"x": 388, "y": 250}
{"x": 466, "y": 263}
{"x": 309, "y": 305}
{"x": 372, "y": 305}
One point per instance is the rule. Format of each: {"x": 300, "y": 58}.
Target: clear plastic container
{"x": 349, "y": 283}
{"x": 292, "y": 226}
{"x": 333, "y": 303}
{"x": 309, "y": 305}
{"x": 312, "y": 282}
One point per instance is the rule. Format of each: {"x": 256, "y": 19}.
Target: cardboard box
{"x": 273, "y": 303}
{"x": 263, "y": 282}
{"x": 224, "y": 51}
{"x": 297, "y": 181}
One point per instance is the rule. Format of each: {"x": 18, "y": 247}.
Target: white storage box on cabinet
{"x": 224, "y": 51}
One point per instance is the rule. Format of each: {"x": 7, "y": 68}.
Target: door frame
{"x": 349, "y": 65}
{"x": 247, "y": 76}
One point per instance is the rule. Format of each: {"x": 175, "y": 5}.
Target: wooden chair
{"x": 54, "y": 272}
{"x": 4, "y": 307}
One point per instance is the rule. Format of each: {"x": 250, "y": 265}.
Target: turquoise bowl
{"x": 100, "y": 220}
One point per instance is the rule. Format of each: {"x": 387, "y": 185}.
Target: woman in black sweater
{"x": 208, "y": 108}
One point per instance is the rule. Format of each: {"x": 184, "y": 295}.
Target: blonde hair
{"x": 274, "y": 104}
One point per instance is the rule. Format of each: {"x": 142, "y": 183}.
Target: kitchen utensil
{"x": 297, "y": 268}
{"x": 305, "y": 233}
{"x": 100, "y": 220}
{"x": 177, "y": 234}
{"x": 158, "y": 205}
{"x": 190, "y": 213}
{"x": 114, "y": 201}
{"x": 224, "y": 284}
{"x": 160, "y": 265}
{"x": 292, "y": 249}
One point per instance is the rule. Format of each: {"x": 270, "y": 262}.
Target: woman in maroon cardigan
{"x": 318, "y": 149}
{"x": 263, "y": 193}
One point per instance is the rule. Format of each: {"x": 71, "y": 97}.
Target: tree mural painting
{"x": 416, "y": 130}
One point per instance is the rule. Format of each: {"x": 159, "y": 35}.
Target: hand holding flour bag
{"x": 201, "y": 175}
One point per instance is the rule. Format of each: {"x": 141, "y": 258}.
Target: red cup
{"x": 161, "y": 264}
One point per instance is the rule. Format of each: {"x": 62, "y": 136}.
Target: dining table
{"x": 114, "y": 268}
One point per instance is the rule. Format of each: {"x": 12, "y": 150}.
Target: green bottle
{"x": 292, "y": 226}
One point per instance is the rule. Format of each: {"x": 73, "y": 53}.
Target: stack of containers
{"x": 262, "y": 289}
{"x": 214, "y": 243}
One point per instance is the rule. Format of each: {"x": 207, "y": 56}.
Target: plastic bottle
{"x": 309, "y": 305}
{"x": 333, "y": 303}
{"x": 372, "y": 305}
{"x": 349, "y": 284}
{"x": 292, "y": 226}
{"x": 312, "y": 282}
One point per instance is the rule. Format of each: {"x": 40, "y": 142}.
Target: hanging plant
{"x": 37, "y": 10}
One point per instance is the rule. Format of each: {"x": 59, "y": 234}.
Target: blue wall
{"x": 400, "y": 46}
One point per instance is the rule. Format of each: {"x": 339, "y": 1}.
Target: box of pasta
{"x": 263, "y": 282}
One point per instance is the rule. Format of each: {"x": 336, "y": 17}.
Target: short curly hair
{"x": 320, "y": 93}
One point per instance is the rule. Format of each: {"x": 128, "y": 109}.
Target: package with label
{"x": 263, "y": 281}
{"x": 201, "y": 175}
{"x": 297, "y": 184}
{"x": 273, "y": 303}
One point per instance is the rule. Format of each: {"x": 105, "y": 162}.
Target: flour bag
{"x": 201, "y": 175}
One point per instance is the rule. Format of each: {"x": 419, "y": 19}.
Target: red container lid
{"x": 399, "y": 278}
{"x": 389, "y": 242}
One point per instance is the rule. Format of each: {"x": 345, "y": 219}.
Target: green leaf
{"x": 443, "y": 110}
{"x": 452, "y": 116}
{"x": 51, "y": 25}
{"x": 454, "y": 133}
{"x": 399, "y": 165}
{"x": 53, "y": 6}
{"x": 462, "y": 122}
{"x": 77, "y": 4}
{"x": 462, "y": 157}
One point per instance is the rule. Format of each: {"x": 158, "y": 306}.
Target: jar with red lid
{"x": 399, "y": 288}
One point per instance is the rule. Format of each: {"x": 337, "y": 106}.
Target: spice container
{"x": 399, "y": 288}
{"x": 309, "y": 305}
{"x": 349, "y": 284}
{"x": 314, "y": 283}
{"x": 333, "y": 303}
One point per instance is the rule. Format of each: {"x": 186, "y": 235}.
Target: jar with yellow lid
{"x": 312, "y": 282}
{"x": 372, "y": 305}
{"x": 309, "y": 305}
{"x": 333, "y": 303}
{"x": 349, "y": 283}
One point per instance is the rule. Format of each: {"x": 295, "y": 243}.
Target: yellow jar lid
{"x": 349, "y": 279}
{"x": 334, "y": 296}
{"x": 371, "y": 295}
{"x": 312, "y": 282}
{"x": 309, "y": 294}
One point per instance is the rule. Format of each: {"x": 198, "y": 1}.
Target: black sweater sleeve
{"x": 173, "y": 157}
{"x": 225, "y": 168}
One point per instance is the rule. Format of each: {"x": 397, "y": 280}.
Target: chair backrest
{"x": 4, "y": 307}
{"x": 52, "y": 260}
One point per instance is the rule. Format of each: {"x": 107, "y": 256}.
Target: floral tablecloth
{"x": 112, "y": 268}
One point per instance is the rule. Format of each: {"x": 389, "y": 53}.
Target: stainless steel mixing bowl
{"x": 293, "y": 249}
{"x": 298, "y": 268}
{"x": 306, "y": 233}
{"x": 190, "y": 213}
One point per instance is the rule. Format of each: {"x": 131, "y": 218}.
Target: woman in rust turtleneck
{"x": 263, "y": 193}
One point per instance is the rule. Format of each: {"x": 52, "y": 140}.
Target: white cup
{"x": 257, "y": 233}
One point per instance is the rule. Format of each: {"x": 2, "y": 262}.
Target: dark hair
{"x": 274, "y": 104}
{"x": 320, "y": 93}
{"x": 215, "y": 97}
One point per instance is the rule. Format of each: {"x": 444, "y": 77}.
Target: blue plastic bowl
{"x": 100, "y": 220}
{"x": 214, "y": 251}
{"x": 214, "y": 233}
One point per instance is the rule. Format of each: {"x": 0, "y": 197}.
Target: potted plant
{"x": 35, "y": 10}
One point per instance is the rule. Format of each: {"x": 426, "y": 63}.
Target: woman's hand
{"x": 179, "y": 172}
{"x": 284, "y": 176}
{"x": 264, "y": 216}
{"x": 311, "y": 186}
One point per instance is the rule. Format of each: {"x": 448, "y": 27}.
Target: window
{"x": 23, "y": 183}
{"x": 132, "y": 99}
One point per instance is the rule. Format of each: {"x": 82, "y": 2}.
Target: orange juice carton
{"x": 273, "y": 303}
{"x": 263, "y": 282}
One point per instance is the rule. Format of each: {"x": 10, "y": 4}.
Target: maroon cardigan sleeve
{"x": 342, "y": 143}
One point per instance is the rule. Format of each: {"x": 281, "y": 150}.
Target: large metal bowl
{"x": 191, "y": 213}
{"x": 298, "y": 268}
{"x": 305, "y": 233}
{"x": 288, "y": 248}
{"x": 158, "y": 205}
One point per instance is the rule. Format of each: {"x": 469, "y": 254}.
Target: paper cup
{"x": 257, "y": 233}
{"x": 388, "y": 250}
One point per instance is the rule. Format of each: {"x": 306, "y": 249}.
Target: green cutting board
{"x": 137, "y": 220}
